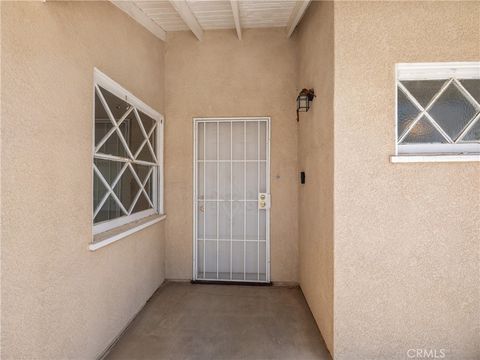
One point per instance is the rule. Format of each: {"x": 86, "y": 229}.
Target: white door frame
{"x": 196, "y": 120}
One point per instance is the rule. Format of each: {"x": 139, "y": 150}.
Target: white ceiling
{"x": 256, "y": 14}
{"x": 162, "y": 16}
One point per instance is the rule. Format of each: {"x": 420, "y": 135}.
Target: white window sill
{"x": 108, "y": 237}
{"x": 411, "y": 158}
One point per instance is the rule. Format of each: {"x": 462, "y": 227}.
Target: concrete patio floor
{"x": 192, "y": 321}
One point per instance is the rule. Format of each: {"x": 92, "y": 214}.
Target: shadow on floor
{"x": 185, "y": 321}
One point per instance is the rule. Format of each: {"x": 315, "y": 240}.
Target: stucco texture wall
{"x": 314, "y": 38}
{"x": 406, "y": 235}
{"x": 223, "y": 76}
{"x": 59, "y": 300}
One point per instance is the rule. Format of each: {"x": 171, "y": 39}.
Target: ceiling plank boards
{"x": 296, "y": 16}
{"x": 198, "y": 16}
{"x": 236, "y": 17}
{"x": 138, "y": 15}
{"x": 188, "y": 17}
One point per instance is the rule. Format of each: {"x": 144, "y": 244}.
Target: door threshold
{"x": 226, "y": 282}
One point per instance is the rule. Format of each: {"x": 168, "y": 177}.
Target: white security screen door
{"x": 231, "y": 199}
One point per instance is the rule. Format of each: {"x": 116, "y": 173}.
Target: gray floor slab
{"x": 185, "y": 321}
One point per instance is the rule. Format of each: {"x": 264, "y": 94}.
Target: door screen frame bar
{"x": 230, "y": 120}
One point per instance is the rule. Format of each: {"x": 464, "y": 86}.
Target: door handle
{"x": 263, "y": 201}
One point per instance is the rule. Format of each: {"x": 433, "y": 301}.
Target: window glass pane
{"x": 149, "y": 188}
{"x": 99, "y": 191}
{"x": 423, "y": 90}
{"x": 113, "y": 145}
{"x": 102, "y": 122}
{"x": 141, "y": 171}
{"x": 153, "y": 141}
{"x": 473, "y": 87}
{"x": 117, "y": 106}
{"x": 134, "y": 135}
{"x": 110, "y": 210}
{"x": 407, "y": 112}
{"x": 142, "y": 204}
{"x": 109, "y": 169}
{"x": 423, "y": 132}
{"x": 452, "y": 111}
{"x": 127, "y": 188}
{"x": 147, "y": 121}
{"x": 146, "y": 153}
{"x": 474, "y": 133}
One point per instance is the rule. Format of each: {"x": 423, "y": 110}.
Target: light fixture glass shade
{"x": 303, "y": 104}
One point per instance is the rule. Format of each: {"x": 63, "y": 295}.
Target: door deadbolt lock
{"x": 263, "y": 201}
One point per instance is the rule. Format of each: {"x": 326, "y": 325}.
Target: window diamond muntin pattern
{"x": 423, "y": 90}
{"x": 452, "y": 104}
{"x": 473, "y": 87}
{"x": 473, "y": 134}
{"x": 459, "y": 128}
{"x": 116, "y": 170}
{"x": 423, "y": 132}
{"x": 407, "y": 112}
{"x": 116, "y": 106}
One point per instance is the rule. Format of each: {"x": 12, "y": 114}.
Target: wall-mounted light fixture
{"x": 304, "y": 98}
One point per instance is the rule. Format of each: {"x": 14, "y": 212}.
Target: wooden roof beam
{"x": 236, "y": 17}
{"x": 297, "y": 14}
{"x": 188, "y": 17}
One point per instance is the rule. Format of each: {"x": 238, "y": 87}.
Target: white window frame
{"x": 102, "y": 80}
{"x": 451, "y": 71}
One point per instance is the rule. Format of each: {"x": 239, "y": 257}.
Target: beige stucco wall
{"x": 223, "y": 76}
{"x": 406, "y": 235}
{"x": 315, "y": 156}
{"x": 59, "y": 300}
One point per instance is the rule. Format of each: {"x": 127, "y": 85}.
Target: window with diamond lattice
{"x": 438, "y": 108}
{"x": 127, "y": 157}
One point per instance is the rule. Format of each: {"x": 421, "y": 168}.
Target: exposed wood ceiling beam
{"x": 236, "y": 17}
{"x": 296, "y": 16}
{"x": 133, "y": 10}
{"x": 188, "y": 17}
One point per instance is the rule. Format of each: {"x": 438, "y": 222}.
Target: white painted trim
{"x": 111, "y": 224}
{"x": 109, "y": 240}
{"x": 188, "y": 17}
{"x": 236, "y": 17}
{"x": 452, "y": 149}
{"x": 248, "y": 118}
{"x": 438, "y": 70}
{"x": 132, "y": 10}
{"x": 269, "y": 191}
{"x": 194, "y": 204}
{"x": 433, "y": 158}
{"x": 116, "y": 89}
{"x": 296, "y": 15}
{"x": 160, "y": 169}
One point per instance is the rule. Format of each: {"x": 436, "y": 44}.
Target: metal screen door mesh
{"x": 231, "y": 169}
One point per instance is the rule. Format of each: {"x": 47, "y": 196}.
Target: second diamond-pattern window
{"x": 438, "y": 111}
{"x": 125, "y": 160}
